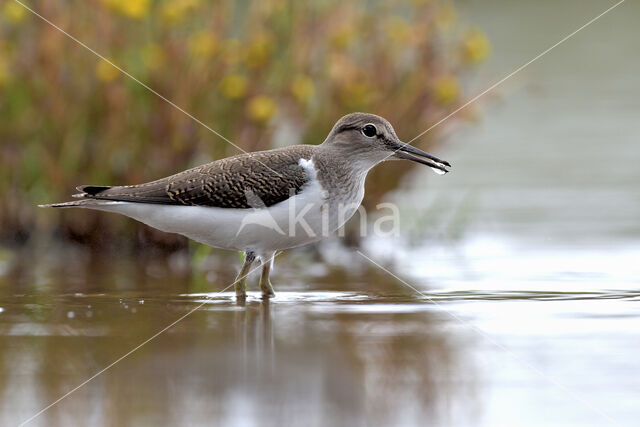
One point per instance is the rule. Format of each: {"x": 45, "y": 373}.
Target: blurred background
{"x": 525, "y": 256}
{"x": 263, "y": 74}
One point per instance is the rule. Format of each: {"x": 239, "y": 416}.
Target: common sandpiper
{"x": 265, "y": 201}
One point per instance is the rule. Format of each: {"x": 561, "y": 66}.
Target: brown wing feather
{"x": 270, "y": 175}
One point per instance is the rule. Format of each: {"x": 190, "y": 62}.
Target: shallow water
{"x": 324, "y": 358}
{"x": 516, "y": 301}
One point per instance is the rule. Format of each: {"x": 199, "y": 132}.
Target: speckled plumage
{"x": 272, "y": 176}
{"x": 263, "y": 202}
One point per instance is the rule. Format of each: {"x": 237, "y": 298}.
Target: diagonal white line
{"x": 109, "y": 366}
{"x": 490, "y": 339}
{"x": 513, "y": 73}
{"x": 125, "y": 72}
{"x": 174, "y": 105}
{"x": 115, "y": 362}
{"x": 560, "y": 386}
{"x": 517, "y": 70}
{"x": 565, "y": 389}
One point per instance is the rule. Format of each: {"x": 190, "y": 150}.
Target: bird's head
{"x": 367, "y": 139}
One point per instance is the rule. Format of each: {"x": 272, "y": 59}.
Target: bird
{"x": 264, "y": 202}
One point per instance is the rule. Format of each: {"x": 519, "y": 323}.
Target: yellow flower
{"x": 446, "y": 89}
{"x": 203, "y": 44}
{"x": 302, "y": 88}
{"x": 14, "y": 12}
{"x": 258, "y": 51}
{"x": 234, "y": 86}
{"x": 261, "y": 108}
{"x": 398, "y": 30}
{"x": 136, "y": 9}
{"x": 355, "y": 93}
{"x": 475, "y": 46}
{"x": 343, "y": 37}
{"x": 106, "y": 72}
{"x": 153, "y": 56}
{"x": 175, "y": 11}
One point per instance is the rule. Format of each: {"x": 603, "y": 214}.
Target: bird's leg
{"x": 265, "y": 283}
{"x": 240, "y": 283}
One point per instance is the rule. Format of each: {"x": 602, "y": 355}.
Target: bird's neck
{"x": 348, "y": 160}
{"x": 341, "y": 176}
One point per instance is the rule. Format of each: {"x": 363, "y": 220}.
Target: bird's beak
{"x": 409, "y": 152}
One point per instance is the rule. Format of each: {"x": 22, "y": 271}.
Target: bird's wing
{"x": 247, "y": 180}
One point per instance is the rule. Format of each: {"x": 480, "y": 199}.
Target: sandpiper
{"x": 265, "y": 201}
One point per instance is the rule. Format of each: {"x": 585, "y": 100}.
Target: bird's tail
{"x": 87, "y": 201}
{"x": 84, "y": 203}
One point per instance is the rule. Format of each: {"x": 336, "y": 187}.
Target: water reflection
{"x": 334, "y": 358}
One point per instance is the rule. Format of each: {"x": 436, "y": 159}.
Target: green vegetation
{"x": 263, "y": 74}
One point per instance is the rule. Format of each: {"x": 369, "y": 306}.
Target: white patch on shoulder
{"x": 308, "y": 166}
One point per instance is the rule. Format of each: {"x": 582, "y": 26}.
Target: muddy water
{"x": 323, "y": 358}
{"x": 314, "y": 357}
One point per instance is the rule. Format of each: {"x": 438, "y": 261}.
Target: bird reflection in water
{"x": 334, "y": 357}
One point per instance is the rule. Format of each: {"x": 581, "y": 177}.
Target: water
{"x": 324, "y": 358}
{"x": 512, "y": 296}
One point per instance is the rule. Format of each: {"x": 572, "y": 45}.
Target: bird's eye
{"x": 369, "y": 131}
